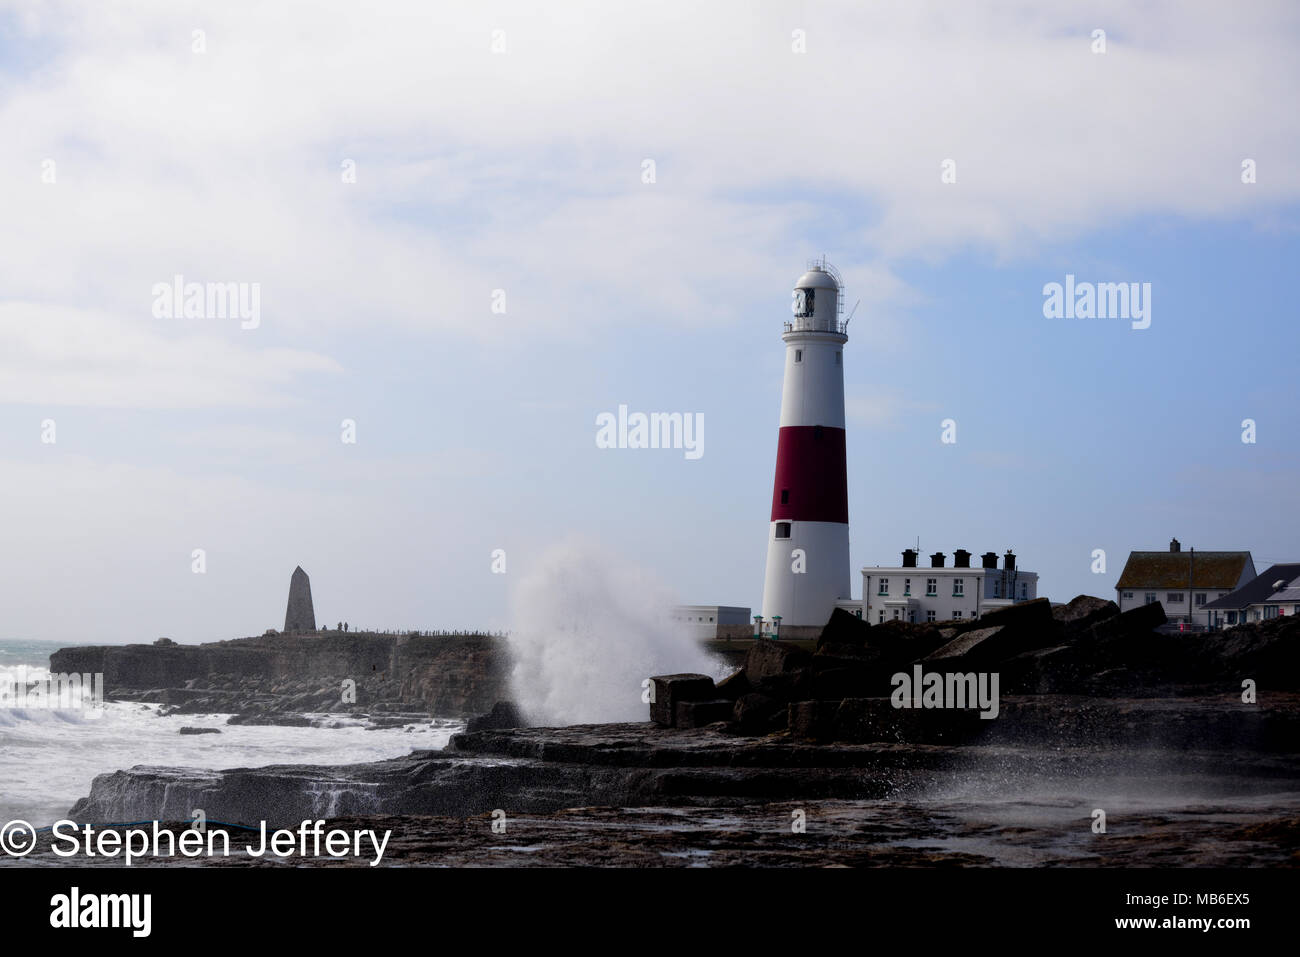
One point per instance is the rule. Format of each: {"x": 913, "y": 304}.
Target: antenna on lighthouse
{"x": 851, "y": 312}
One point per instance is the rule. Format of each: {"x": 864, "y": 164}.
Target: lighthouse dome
{"x": 817, "y": 278}
{"x": 816, "y": 304}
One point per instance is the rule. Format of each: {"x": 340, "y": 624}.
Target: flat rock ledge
{"x": 542, "y": 770}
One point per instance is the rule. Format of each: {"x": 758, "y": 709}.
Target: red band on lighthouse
{"x": 811, "y": 477}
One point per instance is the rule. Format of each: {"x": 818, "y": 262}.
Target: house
{"x": 938, "y": 593}
{"x": 1183, "y": 582}
{"x": 1274, "y": 593}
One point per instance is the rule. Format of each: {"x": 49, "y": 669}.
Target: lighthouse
{"x": 808, "y": 535}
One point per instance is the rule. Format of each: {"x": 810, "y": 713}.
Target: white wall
{"x": 976, "y": 586}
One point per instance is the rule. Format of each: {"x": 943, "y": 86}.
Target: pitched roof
{"x": 1260, "y": 588}
{"x": 1173, "y": 569}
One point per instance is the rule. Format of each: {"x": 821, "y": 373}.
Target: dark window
{"x": 785, "y": 496}
{"x": 782, "y": 529}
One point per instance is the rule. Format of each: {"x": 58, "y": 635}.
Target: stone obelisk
{"x": 300, "y": 616}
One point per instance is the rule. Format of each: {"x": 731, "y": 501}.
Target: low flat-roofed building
{"x": 708, "y": 621}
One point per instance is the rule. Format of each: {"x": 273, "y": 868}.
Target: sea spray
{"x": 588, "y": 628}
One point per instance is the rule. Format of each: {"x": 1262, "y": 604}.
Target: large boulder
{"x": 1023, "y": 616}
{"x": 756, "y": 713}
{"x": 667, "y": 691}
{"x": 697, "y": 714}
{"x": 1140, "y": 621}
{"x": 734, "y": 686}
{"x": 504, "y": 714}
{"x": 844, "y": 629}
{"x": 980, "y": 646}
{"x": 811, "y": 719}
{"x": 1266, "y": 651}
{"x": 1084, "y": 611}
{"x": 769, "y": 658}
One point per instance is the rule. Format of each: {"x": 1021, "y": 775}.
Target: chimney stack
{"x": 990, "y": 559}
{"x": 1009, "y": 561}
{"x": 961, "y": 558}
{"x": 1174, "y": 546}
{"x": 909, "y": 558}
{"x": 936, "y": 560}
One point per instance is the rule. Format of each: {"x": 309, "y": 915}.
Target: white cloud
{"x": 58, "y": 356}
{"x": 522, "y": 171}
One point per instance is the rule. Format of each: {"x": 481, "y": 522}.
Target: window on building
{"x": 929, "y": 615}
{"x": 839, "y": 357}
{"x": 1126, "y": 595}
{"x": 882, "y": 618}
{"x": 1270, "y": 611}
{"x": 785, "y": 496}
{"x": 956, "y": 616}
{"x": 907, "y": 587}
{"x": 911, "y": 616}
{"x": 932, "y": 586}
{"x": 895, "y": 614}
{"x": 798, "y": 355}
{"x": 884, "y": 587}
{"x": 859, "y": 612}
{"x": 1232, "y": 617}
{"x": 1149, "y": 598}
{"x": 1024, "y": 589}
{"x": 782, "y": 529}
{"x": 1174, "y": 597}
{"x": 1200, "y": 598}
{"x": 958, "y": 587}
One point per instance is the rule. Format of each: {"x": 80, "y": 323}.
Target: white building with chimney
{"x": 940, "y": 593}
{"x": 1184, "y": 582}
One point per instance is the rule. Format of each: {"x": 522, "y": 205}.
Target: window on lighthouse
{"x": 798, "y": 355}
{"x": 782, "y": 529}
{"x": 785, "y": 496}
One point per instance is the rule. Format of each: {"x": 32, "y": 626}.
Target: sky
{"x": 448, "y": 215}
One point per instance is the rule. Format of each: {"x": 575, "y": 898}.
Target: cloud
{"x": 522, "y": 170}
{"x": 58, "y": 356}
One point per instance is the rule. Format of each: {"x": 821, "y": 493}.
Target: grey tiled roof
{"x": 1259, "y": 589}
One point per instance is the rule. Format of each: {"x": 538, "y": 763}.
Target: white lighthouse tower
{"x": 808, "y": 538}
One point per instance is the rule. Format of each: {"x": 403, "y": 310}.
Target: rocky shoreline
{"x": 1189, "y": 743}
{"x": 541, "y": 770}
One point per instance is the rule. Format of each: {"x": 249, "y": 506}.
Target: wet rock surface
{"x": 1096, "y": 711}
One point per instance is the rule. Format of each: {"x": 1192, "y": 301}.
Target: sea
{"x": 48, "y": 758}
